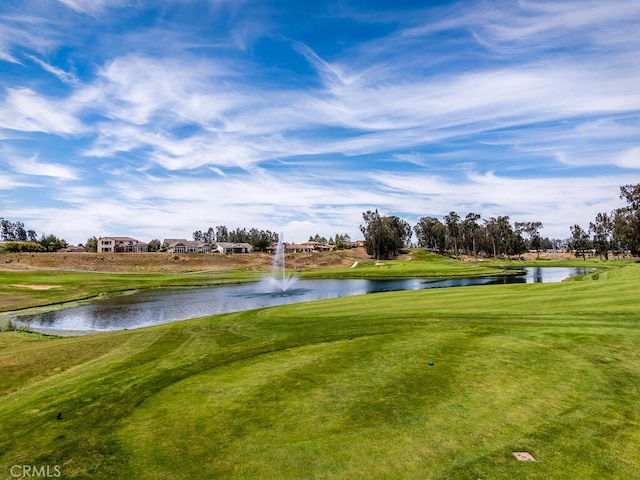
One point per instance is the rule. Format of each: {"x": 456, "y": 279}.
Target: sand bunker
{"x": 37, "y": 287}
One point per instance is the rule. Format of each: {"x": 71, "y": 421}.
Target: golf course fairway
{"x": 428, "y": 384}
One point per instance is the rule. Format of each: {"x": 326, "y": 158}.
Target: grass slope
{"x": 418, "y": 264}
{"x": 343, "y": 389}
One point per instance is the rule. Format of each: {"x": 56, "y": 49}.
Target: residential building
{"x": 306, "y": 247}
{"x": 182, "y": 245}
{"x": 231, "y": 247}
{"x": 120, "y": 245}
{"x": 72, "y": 249}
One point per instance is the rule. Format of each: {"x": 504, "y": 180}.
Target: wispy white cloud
{"x": 94, "y": 7}
{"x": 30, "y": 26}
{"x": 9, "y": 182}
{"x": 545, "y": 21}
{"x": 298, "y": 204}
{"x": 243, "y": 127}
{"x": 629, "y": 159}
{"x": 556, "y": 201}
{"x": 32, "y": 166}
{"x": 437, "y": 111}
{"x": 5, "y": 54}
{"x": 25, "y": 110}
{"x": 301, "y": 205}
{"x": 65, "y": 77}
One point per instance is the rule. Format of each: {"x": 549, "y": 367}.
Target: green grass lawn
{"x": 343, "y": 389}
{"x": 420, "y": 264}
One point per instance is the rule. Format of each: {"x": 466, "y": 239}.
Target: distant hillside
{"x": 165, "y": 262}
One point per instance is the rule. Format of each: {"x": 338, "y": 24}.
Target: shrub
{"x": 15, "y": 247}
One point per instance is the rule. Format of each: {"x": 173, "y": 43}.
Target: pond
{"x": 152, "y": 307}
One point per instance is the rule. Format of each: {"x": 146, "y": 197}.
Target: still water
{"x": 152, "y": 307}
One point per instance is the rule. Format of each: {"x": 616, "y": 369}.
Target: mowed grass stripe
{"x": 475, "y": 406}
{"x": 283, "y": 393}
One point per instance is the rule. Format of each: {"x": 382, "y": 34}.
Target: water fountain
{"x": 279, "y": 275}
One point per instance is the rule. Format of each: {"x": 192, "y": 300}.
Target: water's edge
{"x": 139, "y": 308}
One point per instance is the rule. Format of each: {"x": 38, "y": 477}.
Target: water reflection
{"x": 161, "y": 306}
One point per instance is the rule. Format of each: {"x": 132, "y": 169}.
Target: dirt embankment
{"x": 166, "y": 262}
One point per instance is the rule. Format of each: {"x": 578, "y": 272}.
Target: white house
{"x": 120, "y": 245}
{"x": 181, "y": 245}
{"x": 231, "y": 247}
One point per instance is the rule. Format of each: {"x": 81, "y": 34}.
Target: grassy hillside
{"x": 343, "y": 389}
{"x": 174, "y": 263}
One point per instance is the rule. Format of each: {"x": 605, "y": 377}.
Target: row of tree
{"x": 340, "y": 242}
{"x": 260, "y": 240}
{"x": 385, "y": 236}
{"x": 495, "y": 236}
{"x": 19, "y": 239}
{"x": 617, "y": 232}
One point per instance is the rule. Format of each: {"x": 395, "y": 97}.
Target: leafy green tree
{"x": 260, "y": 240}
{"x": 384, "y": 236}
{"x": 631, "y": 194}
{"x": 631, "y": 215}
{"x": 431, "y": 234}
{"x": 222, "y": 233}
{"x": 500, "y": 234}
{"x": 469, "y": 228}
{"x": 91, "y": 245}
{"x": 602, "y": 230}
{"x": 154, "y": 245}
{"x": 516, "y": 244}
{"x": 209, "y": 237}
{"x": 12, "y": 231}
{"x": 51, "y": 243}
{"x": 622, "y": 231}
{"x": 579, "y": 241}
{"x": 341, "y": 241}
{"x": 239, "y": 236}
{"x": 402, "y": 233}
{"x": 532, "y": 229}
{"x": 452, "y": 222}
{"x": 318, "y": 239}
{"x": 546, "y": 244}
{"x": 20, "y": 232}
{"x": 6, "y": 230}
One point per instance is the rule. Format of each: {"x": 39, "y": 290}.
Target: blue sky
{"x": 154, "y": 119}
